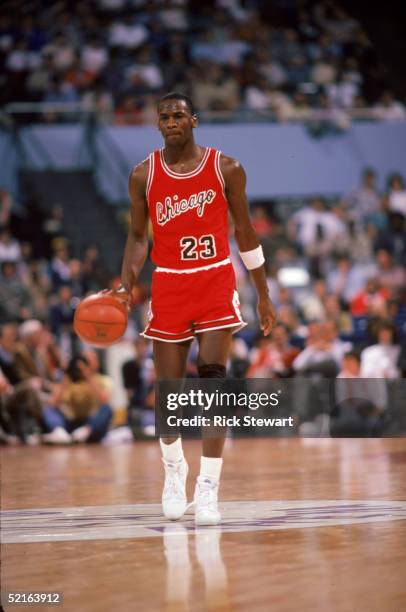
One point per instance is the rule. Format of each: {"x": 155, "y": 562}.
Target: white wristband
{"x": 253, "y": 259}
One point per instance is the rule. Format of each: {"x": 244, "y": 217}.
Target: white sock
{"x": 172, "y": 452}
{"x": 210, "y": 467}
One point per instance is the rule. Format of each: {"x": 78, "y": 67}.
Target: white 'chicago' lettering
{"x": 172, "y": 207}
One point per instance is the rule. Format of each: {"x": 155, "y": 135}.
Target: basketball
{"x": 101, "y": 320}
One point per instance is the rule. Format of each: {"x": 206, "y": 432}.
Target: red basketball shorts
{"x": 185, "y": 304}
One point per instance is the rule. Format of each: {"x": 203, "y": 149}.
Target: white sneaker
{"x": 58, "y": 436}
{"x": 174, "y": 500}
{"x": 81, "y": 434}
{"x": 205, "y": 499}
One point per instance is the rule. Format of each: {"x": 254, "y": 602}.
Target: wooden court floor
{"x": 309, "y": 525}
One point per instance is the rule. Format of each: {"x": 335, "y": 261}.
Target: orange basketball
{"x": 101, "y": 319}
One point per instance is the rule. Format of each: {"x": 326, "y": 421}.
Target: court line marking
{"x": 146, "y": 521}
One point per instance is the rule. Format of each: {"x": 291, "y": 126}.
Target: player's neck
{"x": 178, "y": 153}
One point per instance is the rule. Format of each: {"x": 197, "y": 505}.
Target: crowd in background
{"x": 336, "y": 273}
{"x": 336, "y": 269}
{"x": 117, "y": 57}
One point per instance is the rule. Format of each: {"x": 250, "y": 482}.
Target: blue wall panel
{"x": 280, "y": 160}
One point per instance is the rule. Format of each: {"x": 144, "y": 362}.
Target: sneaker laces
{"x": 174, "y": 486}
{"x": 207, "y": 493}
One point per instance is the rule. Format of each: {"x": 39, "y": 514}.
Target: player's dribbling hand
{"x": 267, "y": 315}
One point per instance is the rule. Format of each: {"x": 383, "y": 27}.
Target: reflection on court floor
{"x": 146, "y": 520}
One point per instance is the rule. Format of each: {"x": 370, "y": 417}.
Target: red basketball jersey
{"x": 188, "y": 213}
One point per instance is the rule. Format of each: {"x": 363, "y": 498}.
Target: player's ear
{"x": 195, "y": 120}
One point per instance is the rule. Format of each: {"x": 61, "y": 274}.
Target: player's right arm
{"x": 136, "y": 248}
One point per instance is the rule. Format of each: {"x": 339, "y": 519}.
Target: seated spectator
{"x": 388, "y": 108}
{"x": 393, "y": 237}
{"x": 15, "y": 302}
{"x": 79, "y": 410}
{"x": 359, "y": 402}
{"x": 129, "y": 111}
{"x": 59, "y": 268}
{"x": 94, "y": 56}
{"x": 8, "y": 339}
{"x": 145, "y": 71}
{"x": 346, "y": 279}
{"x": 312, "y": 304}
{"x": 391, "y": 275}
{"x": 36, "y": 358}
{"x": 319, "y": 357}
{"x": 370, "y": 300}
{"x": 10, "y": 249}
{"x": 61, "y": 313}
{"x": 138, "y": 380}
{"x": 364, "y": 203}
{"x": 215, "y": 89}
{"x": 334, "y": 312}
{"x": 397, "y": 195}
{"x": 338, "y": 347}
{"x": 127, "y": 33}
{"x": 380, "y": 360}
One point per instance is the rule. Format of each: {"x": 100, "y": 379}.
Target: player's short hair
{"x": 176, "y": 95}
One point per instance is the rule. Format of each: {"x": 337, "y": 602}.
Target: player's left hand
{"x": 267, "y": 315}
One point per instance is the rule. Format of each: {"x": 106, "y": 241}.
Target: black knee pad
{"x": 212, "y": 370}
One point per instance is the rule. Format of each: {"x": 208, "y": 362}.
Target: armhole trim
{"x": 219, "y": 173}
{"x": 150, "y": 175}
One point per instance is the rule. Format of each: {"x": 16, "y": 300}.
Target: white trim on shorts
{"x": 239, "y": 324}
{"x": 223, "y": 262}
{"x": 145, "y": 335}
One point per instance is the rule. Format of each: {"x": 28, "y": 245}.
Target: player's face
{"x": 175, "y": 122}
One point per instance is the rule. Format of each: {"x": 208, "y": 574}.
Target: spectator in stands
{"x": 334, "y": 312}
{"x": 359, "y": 402}
{"x": 94, "y": 57}
{"x": 345, "y": 279}
{"x": 61, "y": 312}
{"x": 364, "y": 203}
{"x": 391, "y": 276}
{"x": 8, "y": 339}
{"x": 94, "y": 273}
{"x": 393, "y": 237}
{"x": 380, "y": 360}
{"x": 129, "y": 112}
{"x": 79, "y": 410}
{"x": 388, "y": 108}
{"x": 370, "y": 300}
{"x": 10, "y": 249}
{"x": 215, "y": 89}
{"x": 145, "y": 72}
{"x": 319, "y": 356}
{"x": 338, "y": 347}
{"x": 312, "y": 304}
{"x": 15, "y": 303}
{"x": 397, "y": 195}
{"x": 36, "y": 357}
{"x": 59, "y": 268}
{"x": 127, "y": 33}
{"x": 137, "y": 376}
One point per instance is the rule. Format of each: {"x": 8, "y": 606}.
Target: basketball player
{"x": 187, "y": 191}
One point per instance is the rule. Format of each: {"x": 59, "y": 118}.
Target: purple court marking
{"x": 146, "y": 520}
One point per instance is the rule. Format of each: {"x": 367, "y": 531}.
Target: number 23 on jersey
{"x": 193, "y": 248}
